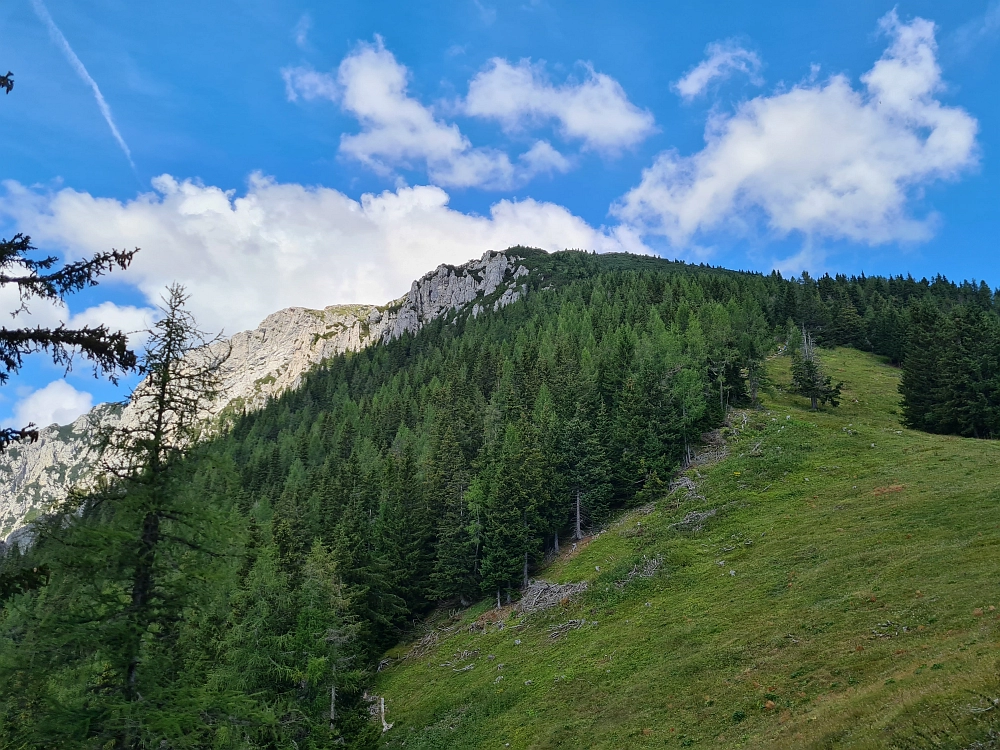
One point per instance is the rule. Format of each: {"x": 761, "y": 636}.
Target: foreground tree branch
{"x": 41, "y": 278}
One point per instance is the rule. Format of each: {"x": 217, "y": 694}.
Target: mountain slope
{"x": 262, "y": 364}
{"x": 842, "y": 594}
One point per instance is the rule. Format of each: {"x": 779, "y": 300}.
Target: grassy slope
{"x": 838, "y": 523}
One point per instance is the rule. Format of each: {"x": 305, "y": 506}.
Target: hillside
{"x": 262, "y": 364}
{"x": 842, "y": 594}
{"x": 243, "y": 593}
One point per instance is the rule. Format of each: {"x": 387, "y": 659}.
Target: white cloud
{"x": 282, "y": 245}
{"x": 56, "y": 403}
{"x": 595, "y": 110}
{"x": 722, "y": 59}
{"x": 821, "y": 159}
{"x": 135, "y": 321}
{"x": 397, "y": 131}
{"x": 309, "y": 85}
{"x": 543, "y": 158}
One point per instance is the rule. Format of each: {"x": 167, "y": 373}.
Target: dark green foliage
{"x": 275, "y": 563}
{"x": 951, "y": 372}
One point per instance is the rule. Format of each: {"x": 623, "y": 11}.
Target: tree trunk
{"x": 814, "y": 405}
{"x": 577, "y": 535}
{"x": 142, "y": 589}
{"x": 333, "y": 705}
{"x": 524, "y": 578}
{"x": 556, "y": 542}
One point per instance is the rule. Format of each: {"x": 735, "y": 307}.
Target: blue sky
{"x": 269, "y": 154}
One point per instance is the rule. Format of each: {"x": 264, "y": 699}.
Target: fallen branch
{"x": 694, "y": 521}
{"x": 540, "y": 595}
{"x": 647, "y": 569}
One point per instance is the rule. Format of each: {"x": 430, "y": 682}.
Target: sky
{"x": 270, "y": 154}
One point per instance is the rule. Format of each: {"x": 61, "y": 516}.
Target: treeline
{"x": 291, "y": 551}
{"x": 945, "y": 336}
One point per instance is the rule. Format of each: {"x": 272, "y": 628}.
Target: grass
{"x": 843, "y": 595}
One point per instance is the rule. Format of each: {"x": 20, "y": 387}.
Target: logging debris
{"x": 695, "y": 520}
{"x": 540, "y": 595}
{"x": 646, "y": 569}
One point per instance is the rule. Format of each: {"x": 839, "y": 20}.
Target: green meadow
{"x": 832, "y": 581}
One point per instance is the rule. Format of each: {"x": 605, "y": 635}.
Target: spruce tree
{"x": 920, "y": 384}
{"x": 808, "y": 378}
{"x": 587, "y": 472}
{"x": 454, "y": 572}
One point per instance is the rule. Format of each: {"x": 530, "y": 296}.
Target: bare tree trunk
{"x": 578, "y": 535}
{"x": 333, "y": 705}
{"x": 556, "y": 545}
{"x": 524, "y": 579}
{"x": 814, "y": 404}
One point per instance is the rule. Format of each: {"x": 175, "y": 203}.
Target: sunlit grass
{"x": 843, "y": 595}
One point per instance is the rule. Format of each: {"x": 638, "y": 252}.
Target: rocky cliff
{"x": 262, "y": 363}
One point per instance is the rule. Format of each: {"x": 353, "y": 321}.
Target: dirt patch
{"x": 879, "y": 491}
{"x": 571, "y": 550}
{"x": 494, "y": 615}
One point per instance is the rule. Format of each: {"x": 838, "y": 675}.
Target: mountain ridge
{"x": 262, "y": 363}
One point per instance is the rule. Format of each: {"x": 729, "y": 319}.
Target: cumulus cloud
{"x": 56, "y": 403}
{"x": 722, "y": 59}
{"x": 135, "y": 321}
{"x": 398, "y": 131}
{"x": 595, "y": 110}
{"x": 280, "y": 245}
{"x": 823, "y": 159}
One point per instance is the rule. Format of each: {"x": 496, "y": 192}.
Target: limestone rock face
{"x": 262, "y": 363}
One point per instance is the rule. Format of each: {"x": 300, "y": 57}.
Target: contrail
{"x": 60, "y": 40}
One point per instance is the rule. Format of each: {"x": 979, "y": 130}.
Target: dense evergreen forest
{"x": 293, "y": 549}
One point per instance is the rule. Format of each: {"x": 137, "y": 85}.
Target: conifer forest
{"x": 237, "y": 589}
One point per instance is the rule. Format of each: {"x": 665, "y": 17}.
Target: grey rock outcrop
{"x": 262, "y": 363}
